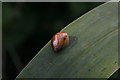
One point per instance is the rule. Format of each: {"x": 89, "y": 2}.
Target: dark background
{"x": 27, "y": 27}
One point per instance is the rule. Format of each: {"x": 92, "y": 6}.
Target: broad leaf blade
{"x": 92, "y": 52}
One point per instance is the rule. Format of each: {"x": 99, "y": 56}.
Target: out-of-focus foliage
{"x": 0, "y": 40}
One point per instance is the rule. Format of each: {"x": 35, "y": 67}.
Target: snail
{"x": 59, "y": 41}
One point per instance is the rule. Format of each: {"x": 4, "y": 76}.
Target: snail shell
{"x": 59, "y": 41}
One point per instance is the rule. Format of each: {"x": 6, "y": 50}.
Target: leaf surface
{"x": 92, "y": 52}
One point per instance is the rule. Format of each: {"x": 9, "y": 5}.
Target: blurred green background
{"x": 27, "y": 27}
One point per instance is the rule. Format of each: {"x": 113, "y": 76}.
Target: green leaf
{"x": 92, "y": 52}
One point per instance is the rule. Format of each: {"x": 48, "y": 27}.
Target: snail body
{"x": 59, "y": 41}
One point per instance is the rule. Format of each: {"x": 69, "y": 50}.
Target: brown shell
{"x": 59, "y": 40}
